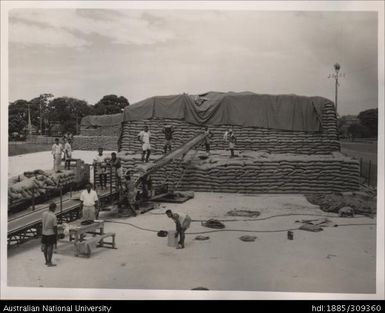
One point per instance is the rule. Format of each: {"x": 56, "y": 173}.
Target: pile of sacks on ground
{"x": 37, "y": 183}
{"x": 360, "y": 202}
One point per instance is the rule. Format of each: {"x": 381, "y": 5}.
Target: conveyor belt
{"x": 181, "y": 151}
{"x": 26, "y": 226}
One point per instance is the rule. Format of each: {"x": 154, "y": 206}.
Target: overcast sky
{"x": 87, "y": 54}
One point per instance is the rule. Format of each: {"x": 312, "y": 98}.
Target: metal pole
{"x": 336, "y": 95}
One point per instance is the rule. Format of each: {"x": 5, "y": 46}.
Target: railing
{"x": 368, "y": 171}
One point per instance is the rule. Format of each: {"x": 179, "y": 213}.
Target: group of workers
{"x": 59, "y": 151}
{"x": 145, "y": 136}
{"x": 89, "y": 198}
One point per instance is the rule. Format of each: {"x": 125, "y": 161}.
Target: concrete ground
{"x": 336, "y": 260}
{"x": 18, "y": 164}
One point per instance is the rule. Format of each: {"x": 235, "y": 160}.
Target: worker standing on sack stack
{"x": 207, "y": 140}
{"x": 144, "y": 138}
{"x": 168, "y": 132}
{"x": 182, "y": 224}
{"x": 231, "y": 139}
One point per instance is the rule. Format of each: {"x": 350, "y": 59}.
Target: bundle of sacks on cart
{"x": 37, "y": 183}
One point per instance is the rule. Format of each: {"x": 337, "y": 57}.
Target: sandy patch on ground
{"x": 336, "y": 260}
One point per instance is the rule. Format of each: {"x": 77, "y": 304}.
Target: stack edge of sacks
{"x": 248, "y": 138}
{"x": 22, "y": 187}
{"x": 272, "y": 174}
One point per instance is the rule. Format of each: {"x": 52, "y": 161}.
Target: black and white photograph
{"x": 192, "y": 149}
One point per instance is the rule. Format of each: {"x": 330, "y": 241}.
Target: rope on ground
{"x": 231, "y": 230}
{"x": 264, "y": 218}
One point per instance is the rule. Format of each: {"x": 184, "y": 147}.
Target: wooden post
{"x": 61, "y": 204}
{"x": 110, "y": 179}
{"x": 33, "y": 199}
{"x": 370, "y": 169}
{"x": 94, "y": 167}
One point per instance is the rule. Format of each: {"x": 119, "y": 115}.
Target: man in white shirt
{"x": 89, "y": 203}
{"x": 57, "y": 150}
{"x": 182, "y": 223}
{"x": 49, "y": 233}
{"x": 144, "y": 138}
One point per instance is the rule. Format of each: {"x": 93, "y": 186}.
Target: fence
{"x": 368, "y": 171}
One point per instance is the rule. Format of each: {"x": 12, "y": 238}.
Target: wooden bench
{"x": 85, "y": 247}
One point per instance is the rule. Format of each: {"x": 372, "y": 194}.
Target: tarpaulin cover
{"x": 102, "y": 120}
{"x": 286, "y": 112}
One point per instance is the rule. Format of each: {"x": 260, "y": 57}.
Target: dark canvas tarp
{"x": 287, "y": 112}
{"x": 102, "y": 120}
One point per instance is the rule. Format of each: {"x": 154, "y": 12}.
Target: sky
{"x": 89, "y": 53}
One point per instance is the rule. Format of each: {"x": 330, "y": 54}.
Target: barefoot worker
{"x": 182, "y": 223}
{"x": 49, "y": 233}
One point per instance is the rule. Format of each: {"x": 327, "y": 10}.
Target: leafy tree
{"x": 369, "y": 119}
{"x": 17, "y": 116}
{"x": 359, "y": 131}
{"x": 110, "y": 104}
{"x": 40, "y": 104}
{"x": 68, "y": 112}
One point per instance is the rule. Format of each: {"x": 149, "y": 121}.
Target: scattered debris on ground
{"x": 245, "y": 213}
{"x": 162, "y": 233}
{"x": 316, "y": 225}
{"x": 310, "y": 227}
{"x": 248, "y": 238}
{"x": 201, "y": 237}
{"x": 322, "y": 222}
{"x": 213, "y": 223}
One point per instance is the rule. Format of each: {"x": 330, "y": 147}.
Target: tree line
{"x": 365, "y": 125}
{"x": 57, "y": 115}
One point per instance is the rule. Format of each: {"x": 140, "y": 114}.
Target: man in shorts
{"x": 168, "y": 132}
{"x": 49, "y": 234}
{"x": 182, "y": 224}
{"x": 144, "y": 138}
